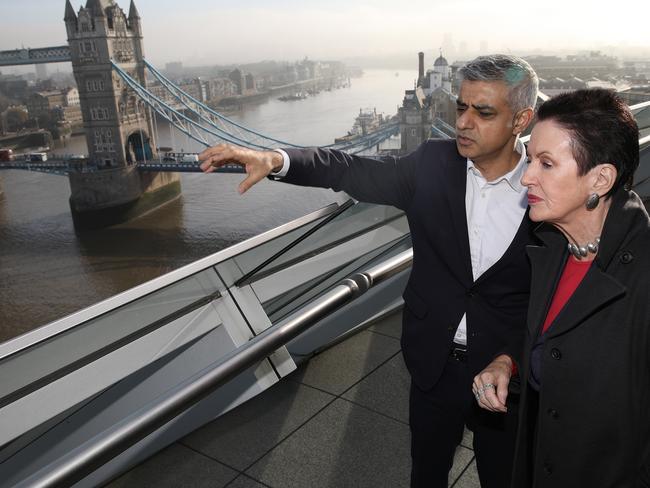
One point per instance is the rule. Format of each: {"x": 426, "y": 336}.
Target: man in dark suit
{"x": 467, "y": 295}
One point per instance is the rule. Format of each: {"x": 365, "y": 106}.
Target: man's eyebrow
{"x": 483, "y": 107}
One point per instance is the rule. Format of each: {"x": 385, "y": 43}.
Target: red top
{"x": 573, "y": 273}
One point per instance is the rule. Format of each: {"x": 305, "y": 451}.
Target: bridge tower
{"x": 118, "y": 125}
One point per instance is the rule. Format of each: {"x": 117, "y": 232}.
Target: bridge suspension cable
{"x": 212, "y": 117}
{"x": 208, "y": 127}
{"x": 183, "y": 123}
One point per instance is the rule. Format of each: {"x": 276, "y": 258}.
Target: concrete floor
{"x": 341, "y": 420}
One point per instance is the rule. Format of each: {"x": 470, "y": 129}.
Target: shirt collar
{"x": 513, "y": 177}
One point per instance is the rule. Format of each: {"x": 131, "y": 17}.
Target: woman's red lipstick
{"x": 533, "y": 199}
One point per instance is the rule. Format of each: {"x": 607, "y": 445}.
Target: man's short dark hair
{"x": 603, "y": 130}
{"x": 514, "y": 71}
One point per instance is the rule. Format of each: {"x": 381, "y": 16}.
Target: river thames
{"x": 47, "y": 270}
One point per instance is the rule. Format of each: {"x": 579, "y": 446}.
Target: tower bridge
{"x": 124, "y": 174}
{"x": 120, "y": 113}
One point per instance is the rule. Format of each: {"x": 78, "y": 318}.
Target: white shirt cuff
{"x": 282, "y": 172}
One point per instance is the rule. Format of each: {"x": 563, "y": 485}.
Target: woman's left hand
{"x": 490, "y": 386}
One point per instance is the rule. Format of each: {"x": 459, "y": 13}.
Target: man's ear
{"x": 604, "y": 178}
{"x": 521, "y": 120}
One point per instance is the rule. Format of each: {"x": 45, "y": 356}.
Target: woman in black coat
{"x": 585, "y": 375}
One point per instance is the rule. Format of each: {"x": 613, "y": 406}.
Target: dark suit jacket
{"x": 594, "y": 403}
{"x": 429, "y": 185}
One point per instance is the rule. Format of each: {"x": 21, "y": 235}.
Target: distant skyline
{"x": 208, "y": 32}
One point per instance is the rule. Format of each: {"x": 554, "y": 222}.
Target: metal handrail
{"x": 97, "y": 451}
{"x": 640, "y": 105}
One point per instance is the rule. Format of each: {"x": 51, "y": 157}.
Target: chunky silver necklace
{"x": 582, "y": 251}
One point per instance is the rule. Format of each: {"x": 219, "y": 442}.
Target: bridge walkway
{"x": 339, "y": 421}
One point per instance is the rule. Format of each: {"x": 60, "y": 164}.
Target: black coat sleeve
{"x": 387, "y": 181}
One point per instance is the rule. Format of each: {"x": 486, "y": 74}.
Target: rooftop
{"x": 340, "y": 420}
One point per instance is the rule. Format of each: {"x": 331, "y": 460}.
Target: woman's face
{"x": 556, "y": 193}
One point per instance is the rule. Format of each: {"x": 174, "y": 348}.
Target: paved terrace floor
{"x": 341, "y": 420}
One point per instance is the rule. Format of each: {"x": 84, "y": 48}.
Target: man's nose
{"x": 463, "y": 120}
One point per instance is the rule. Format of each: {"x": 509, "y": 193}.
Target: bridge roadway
{"x": 339, "y": 421}
{"x": 63, "y": 167}
{"x": 174, "y": 162}
{"x": 16, "y": 57}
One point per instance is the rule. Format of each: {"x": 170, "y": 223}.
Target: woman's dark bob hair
{"x": 603, "y": 130}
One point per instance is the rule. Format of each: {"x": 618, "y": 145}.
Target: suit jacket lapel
{"x": 546, "y": 264}
{"x": 596, "y": 289}
{"x": 457, "y": 178}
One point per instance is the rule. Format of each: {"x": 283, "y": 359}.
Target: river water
{"x": 47, "y": 270}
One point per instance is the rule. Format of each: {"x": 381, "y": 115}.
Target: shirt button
{"x": 553, "y": 413}
{"x": 547, "y": 468}
{"x": 556, "y": 354}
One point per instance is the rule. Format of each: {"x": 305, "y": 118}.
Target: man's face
{"x": 484, "y": 121}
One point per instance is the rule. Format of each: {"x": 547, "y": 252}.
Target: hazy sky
{"x": 220, "y": 32}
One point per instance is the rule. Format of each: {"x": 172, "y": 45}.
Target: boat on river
{"x": 366, "y": 123}
{"x": 293, "y": 96}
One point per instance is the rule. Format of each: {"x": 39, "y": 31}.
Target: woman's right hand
{"x": 490, "y": 386}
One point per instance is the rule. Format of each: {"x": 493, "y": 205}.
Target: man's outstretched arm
{"x": 390, "y": 181}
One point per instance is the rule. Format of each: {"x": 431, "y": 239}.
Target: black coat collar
{"x": 598, "y": 287}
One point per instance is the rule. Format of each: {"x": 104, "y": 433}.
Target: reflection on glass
{"x": 287, "y": 303}
{"x": 59, "y": 355}
{"x": 355, "y": 239}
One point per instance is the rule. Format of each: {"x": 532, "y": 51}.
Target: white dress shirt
{"x": 286, "y": 162}
{"x": 494, "y": 211}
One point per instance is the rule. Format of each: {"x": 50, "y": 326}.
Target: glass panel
{"x": 290, "y": 301}
{"x": 61, "y": 354}
{"x": 353, "y": 222}
{"x": 642, "y": 117}
{"x": 57, "y": 356}
{"x": 642, "y": 176}
{"x": 352, "y": 241}
{"x": 235, "y": 268}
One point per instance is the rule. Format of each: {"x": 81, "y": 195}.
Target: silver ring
{"x": 489, "y": 385}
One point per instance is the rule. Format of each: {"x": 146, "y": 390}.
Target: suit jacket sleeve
{"x": 515, "y": 348}
{"x": 387, "y": 181}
